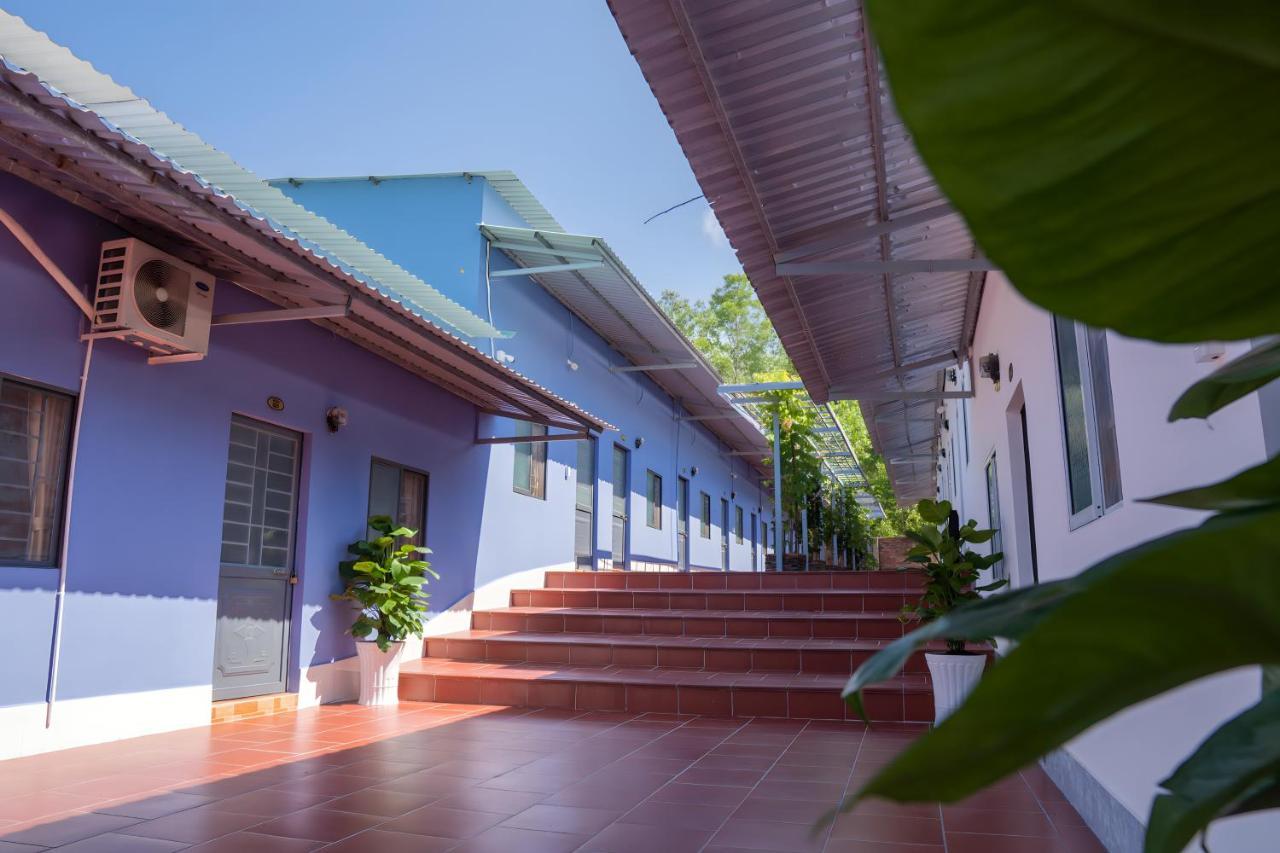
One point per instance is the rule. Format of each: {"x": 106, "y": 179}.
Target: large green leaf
{"x": 1239, "y": 761}
{"x": 1140, "y": 623}
{"x": 1253, "y": 488}
{"x": 1229, "y": 383}
{"x": 1116, "y": 158}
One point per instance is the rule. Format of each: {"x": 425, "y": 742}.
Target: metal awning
{"x": 830, "y": 442}
{"x": 871, "y": 279}
{"x": 592, "y": 282}
{"x": 61, "y": 145}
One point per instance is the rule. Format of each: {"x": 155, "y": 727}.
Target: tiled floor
{"x": 435, "y": 777}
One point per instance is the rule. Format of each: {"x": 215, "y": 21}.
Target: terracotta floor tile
{"x": 493, "y": 800}
{"x": 851, "y": 846}
{"x": 253, "y": 842}
{"x": 505, "y": 839}
{"x": 995, "y": 822}
{"x": 440, "y": 822}
{"x": 193, "y": 825}
{"x": 711, "y": 795}
{"x": 318, "y": 824}
{"x": 576, "y": 820}
{"x": 111, "y": 842}
{"x": 771, "y": 836}
{"x": 382, "y": 841}
{"x": 67, "y": 830}
{"x": 682, "y": 815}
{"x": 638, "y": 838}
{"x": 157, "y": 805}
{"x": 902, "y": 830}
{"x": 380, "y": 803}
{"x": 269, "y": 803}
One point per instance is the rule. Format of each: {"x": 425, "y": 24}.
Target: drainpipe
{"x": 61, "y": 596}
{"x": 777, "y": 496}
{"x": 74, "y": 293}
{"x": 804, "y": 536}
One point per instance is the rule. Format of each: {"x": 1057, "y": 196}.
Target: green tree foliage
{"x": 1084, "y": 145}
{"x": 731, "y": 329}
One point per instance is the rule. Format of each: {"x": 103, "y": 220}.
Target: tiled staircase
{"x": 735, "y": 644}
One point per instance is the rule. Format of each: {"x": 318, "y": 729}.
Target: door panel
{"x": 621, "y": 495}
{"x": 584, "y": 546}
{"x": 724, "y": 534}
{"x": 682, "y": 523}
{"x": 259, "y": 518}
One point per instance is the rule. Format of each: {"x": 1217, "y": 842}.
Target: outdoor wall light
{"x": 335, "y": 417}
{"x": 693, "y": 472}
{"x": 571, "y": 364}
{"x": 639, "y": 442}
{"x": 989, "y": 368}
{"x": 504, "y": 357}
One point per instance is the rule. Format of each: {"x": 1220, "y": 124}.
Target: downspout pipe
{"x": 777, "y": 496}
{"x": 82, "y": 302}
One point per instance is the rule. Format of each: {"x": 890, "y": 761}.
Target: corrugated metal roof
{"x": 57, "y": 67}
{"x": 830, "y": 443}
{"x": 51, "y": 140}
{"x": 781, "y": 110}
{"x": 610, "y": 300}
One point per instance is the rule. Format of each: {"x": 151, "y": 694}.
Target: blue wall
{"x": 546, "y": 337}
{"x": 145, "y": 527}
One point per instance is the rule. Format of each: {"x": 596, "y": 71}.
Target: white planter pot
{"x": 954, "y": 677}
{"x": 379, "y": 673}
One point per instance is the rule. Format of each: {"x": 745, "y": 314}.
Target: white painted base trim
{"x": 339, "y": 681}
{"x": 99, "y": 719}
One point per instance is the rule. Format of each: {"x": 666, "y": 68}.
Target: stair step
{"x": 735, "y": 580}
{"x": 717, "y": 654}
{"x": 692, "y": 623}
{"x": 816, "y": 600}
{"x": 660, "y": 690}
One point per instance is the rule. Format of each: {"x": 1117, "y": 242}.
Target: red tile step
{"x": 718, "y": 654}
{"x": 691, "y": 623}
{"x": 815, "y": 600}
{"x": 660, "y": 690}
{"x": 735, "y": 580}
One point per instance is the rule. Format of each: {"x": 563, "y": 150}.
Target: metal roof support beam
{"x": 723, "y": 417}
{"x": 280, "y": 315}
{"x": 532, "y": 249}
{"x": 643, "y": 368}
{"x": 533, "y": 439}
{"x": 760, "y": 453}
{"x": 886, "y": 267}
{"x": 879, "y": 395}
{"x": 949, "y": 358}
{"x": 577, "y": 265}
{"x": 859, "y": 233}
{"x": 754, "y": 387}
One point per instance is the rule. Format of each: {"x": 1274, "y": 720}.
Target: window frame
{"x": 426, "y": 492}
{"x": 537, "y": 451}
{"x": 991, "y": 476}
{"x": 653, "y": 499}
{"x": 1098, "y": 480}
{"x": 737, "y": 524}
{"x": 60, "y": 516}
{"x": 704, "y": 515}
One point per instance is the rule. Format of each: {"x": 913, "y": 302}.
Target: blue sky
{"x": 546, "y": 88}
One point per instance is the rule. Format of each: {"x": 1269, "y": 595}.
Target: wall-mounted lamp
{"x": 989, "y": 368}
{"x": 504, "y": 357}
{"x": 693, "y": 472}
{"x": 571, "y": 364}
{"x": 944, "y": 453}
{"x": 639, "y": 442}
{"x": 335, "y": 417}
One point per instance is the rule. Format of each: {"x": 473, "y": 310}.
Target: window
{"x": 260, "y": 500}
{"x": 737, "y": 524}
{"x": 1088, "y": 420}
{"x": 400, "y": 493}
{"x": 531, "y": 461}
{"x": 653, "y": 500}
{"x": 35, "y": 441}
{"x": 993, "y": 517}
{"x": 704, "y": 515}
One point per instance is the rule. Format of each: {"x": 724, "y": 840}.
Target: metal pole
{"x": 804, "y": 536}
{"x": 777, "y": 495}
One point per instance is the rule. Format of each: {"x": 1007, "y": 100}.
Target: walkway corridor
{"x": 434, "y": 777}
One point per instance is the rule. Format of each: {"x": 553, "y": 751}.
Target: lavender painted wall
{"x": 145, "y": 529}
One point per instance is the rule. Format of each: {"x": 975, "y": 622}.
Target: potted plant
{"x": 951, "y": 572}
{"x": 385, "y": 581}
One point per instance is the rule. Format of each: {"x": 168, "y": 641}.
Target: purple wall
{"x": 146, "y": 521}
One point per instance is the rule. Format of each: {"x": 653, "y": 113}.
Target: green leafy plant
{"x": 385, "y": 582}
{"x": 951, "y": 569}
{"x": 1084, "y": 146}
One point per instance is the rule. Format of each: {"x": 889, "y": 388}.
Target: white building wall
{"x": 1129, "y": 754}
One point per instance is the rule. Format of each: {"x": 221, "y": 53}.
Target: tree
{"x": 730, "y": 329}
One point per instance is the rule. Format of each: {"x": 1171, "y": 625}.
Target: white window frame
{"x": 1097, "y": 486}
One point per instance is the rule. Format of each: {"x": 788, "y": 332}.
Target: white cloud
{"x": 712, "y": 231}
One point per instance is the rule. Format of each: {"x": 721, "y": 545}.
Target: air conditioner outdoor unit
{"x": 152, "y": 299}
